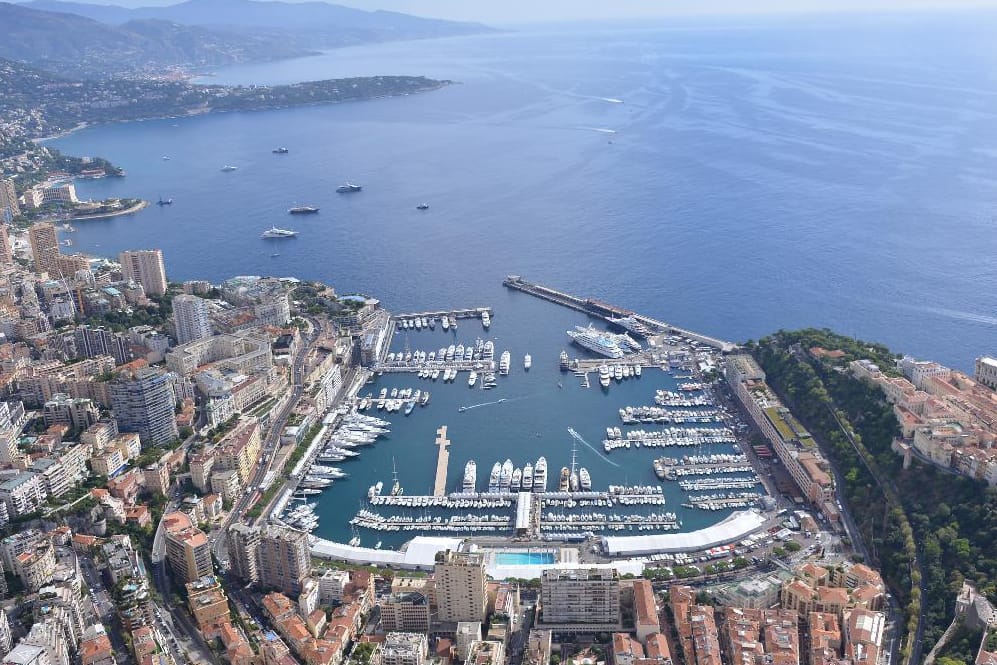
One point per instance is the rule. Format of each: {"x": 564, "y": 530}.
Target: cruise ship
{"x": 274, "y": 232}
{"x": 504, "y": 361}
{"x": 505, "y": 478}
{"x": 528, "y": 362}
{"x": 631, "y": 324}
{"x": 565, "y": 482}
{"x": 349, "y": 188}
{"x": 470, "y": 477}
{"x": 493, "y": 478}
{"x": 527, "y": 477}
{"x": 605, "y": 344}
{"x": 540, "y": 475}
{"x": 584, "y": 479}
{"x": 302, "y": 210}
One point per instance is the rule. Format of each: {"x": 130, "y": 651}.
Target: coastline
{"x": 194, "y": 112}
{"x": 141, "y": 205}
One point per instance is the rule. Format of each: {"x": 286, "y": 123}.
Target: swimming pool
{"x": 523, "y": 558}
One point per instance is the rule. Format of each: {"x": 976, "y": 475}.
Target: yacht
{"x": 280, "y": 151}
{"x": 445, "y": 322}
{"x": 422, "y": 206}
{"x": 584, "y": 479}
{"x": 631, "y": 324}
{"x": 486, "y": 320}
{"x": 274, "y": 232}
{"x": 504, "y": 361}
{"x": 517, "y": 479}
{"x": 618, "y": 372}
{"x": 527, "y": 477}
{"x": 450, "y": 352}
{"x": 540, "y": 475}
{"x": 637, "y": 371}
{"x": 348, "y": 188}
{"x": 527, "y": 362}
{"x": 375, "y": 490}
{"x": 564, "y": 483}
{"x": 472, "y": 379}
{"x": 573, "y": 481}
{"x": 228, "y": 168}
{"x": 488, "y": 350}
{"x": 302, "y": 210}
{"x": 505, "y": 478}
{"x": 493, "y": 478}
{"x": 160, "y": 202}
{"x": 470, "y": 477}
{"x": 564, "y": 361}
{"x": 605, "y": 344}
{"x": 604, "y": 376}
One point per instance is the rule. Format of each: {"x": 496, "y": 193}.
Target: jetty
{"x": 442, "y": 460}
{"x": 599, "y": 309}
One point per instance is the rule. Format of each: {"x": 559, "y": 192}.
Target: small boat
{"x": 166, "y": 158}
{"x": 279, "y": 151}
{"x": 164, "y": 202}
{"x": 228, "y": 168}
{"x": 472, "y": 379}
{"x": 422, "y": 206}
{"x": 528, "y": 361}
{"x": 275, "y": 255}
{"x": 349, "y": 188}
{"x": 302, "y": 210}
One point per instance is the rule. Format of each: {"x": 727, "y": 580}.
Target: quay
{"x": 442, "y": 460}
{"x": 467, "y": 313}
{"x": 415, "y": 368}
{"x": 605, "y": 311}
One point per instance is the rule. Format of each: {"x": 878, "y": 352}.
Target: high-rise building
{"x": 45, "y": 248}
{"x": 92, "y": 342}
{"x": 8, "y": 200}
{"x": 407, "y": 611}
{"x": 190, "y": 315}
{"x": 143, "y": 401}
{"x": 285, "y": 558}
{"x": 145, "y": 267}
{"x": 187, "y": 548}
{"x": 580, "y": 596}
{"x": 243, "y": 543}
{"x": 6, "y": 249}
{"x": 461, "y": 586}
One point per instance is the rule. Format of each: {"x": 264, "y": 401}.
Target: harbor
{"x": 537, "y": 461}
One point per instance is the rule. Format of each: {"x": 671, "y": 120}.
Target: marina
{"x": 574, "y": 490}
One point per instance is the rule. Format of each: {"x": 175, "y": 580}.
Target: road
{"x": 270, "y": 445}
{"x": 104, "y": 608}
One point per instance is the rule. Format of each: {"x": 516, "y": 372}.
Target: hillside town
{"x": 146, "y": 428}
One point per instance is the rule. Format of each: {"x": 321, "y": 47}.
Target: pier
{"x": 467, "y": 313}
{"x": 442, "y": 460}
{"x": 605, "y": 311}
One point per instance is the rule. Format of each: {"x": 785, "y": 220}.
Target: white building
{"x": 190, "y": 315}
{"x": 22, "y": 494}
{"x": 404, "y": 649}
{"x": 145, "y": 267}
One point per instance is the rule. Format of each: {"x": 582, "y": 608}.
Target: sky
{"x": 527, "y": 11}
{"x": 512, "y": 12}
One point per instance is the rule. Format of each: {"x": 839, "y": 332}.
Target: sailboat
{"x": 396, "y": 487}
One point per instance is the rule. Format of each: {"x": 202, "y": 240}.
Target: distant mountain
{"x": 80, "y": 46}
{"x": 338, "y": 23}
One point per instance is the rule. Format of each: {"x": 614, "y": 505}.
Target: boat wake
{"x": 475, "y": 406}
{"x": 578, "y": 437}
{"x": 601, "y": 130}
{"x": 611, "y": 100}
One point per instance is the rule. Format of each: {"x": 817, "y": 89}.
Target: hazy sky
{"x": 516, "y": 11}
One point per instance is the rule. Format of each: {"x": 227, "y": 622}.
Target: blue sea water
{"x": 733, "y": 176}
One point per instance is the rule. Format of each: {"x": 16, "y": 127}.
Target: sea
{"x": 731, "y": 175}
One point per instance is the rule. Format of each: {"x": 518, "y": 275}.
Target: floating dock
{"x": 597, "y": 308}
{"x": 467, "y": 313}
{"x": 442, "y": 460}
